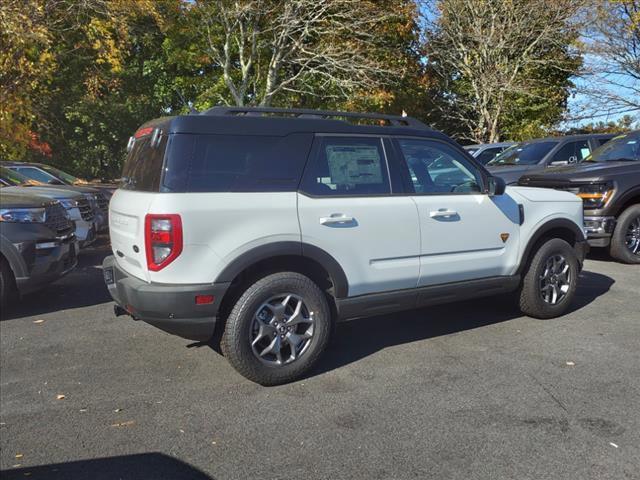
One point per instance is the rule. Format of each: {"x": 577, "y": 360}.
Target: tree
{"x": 611, "y": 75}
{"x": 265, "y": 49}
{"x": 503, "y": 66}
{"x": 26, "y": 66}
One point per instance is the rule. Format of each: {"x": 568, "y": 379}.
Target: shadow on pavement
{"x": 144, "y": 466}
{"x": 83, "y": 287}
{"x": 360, "y": 338}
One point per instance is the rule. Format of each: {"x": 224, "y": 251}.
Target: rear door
{"x": 465, "y": 233}
{"x": 349, "y": 207}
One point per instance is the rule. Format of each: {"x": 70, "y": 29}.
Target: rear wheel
{"x": 625, "y": 241}
{"x": 549, "y": 284}
{"x": 277, "y": 329}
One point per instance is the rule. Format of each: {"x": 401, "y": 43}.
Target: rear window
{"x": 234, "y": 163}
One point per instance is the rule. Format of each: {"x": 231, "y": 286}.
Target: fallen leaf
{"x": 124, "y": 424}
{"x": 19, "y": 455}
{"x": 117, "y": 410}
{"x": 38, "y": 321}
{"x": 83, "y": 410}
{"x": 571, "y": 364}
{"x": 181, "y": 431}
{"x": 60, "y": 397}
{"x": 613, "y": 445}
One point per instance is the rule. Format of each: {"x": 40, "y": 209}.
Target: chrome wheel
{"x": 632, "y": 236}
{"x": 282, "y": 330}
{"x": 555, "y": 279}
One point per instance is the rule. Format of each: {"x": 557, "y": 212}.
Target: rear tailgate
{"x": 127, "y": 211}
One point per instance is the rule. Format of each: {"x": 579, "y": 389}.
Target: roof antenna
{"x": 191, "y": 109}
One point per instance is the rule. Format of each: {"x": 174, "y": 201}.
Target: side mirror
{"x": 496, "y": 186}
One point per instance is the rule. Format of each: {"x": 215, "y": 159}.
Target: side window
{"x": 572, "y": 152}
{"x": 602, "y": 141}
{"x": 347, "y": 166}
{"x": 35, "y": 174}
{"x": 234, "y": 163}
{"x": 582, "y": 150}
{"x": 487, "y": 155}
{"x": 435, "y": 167}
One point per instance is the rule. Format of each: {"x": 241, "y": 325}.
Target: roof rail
{"x": 394, "y": 120}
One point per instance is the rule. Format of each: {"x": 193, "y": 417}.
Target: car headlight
{"x": 595, "y": 195}
{"x": 22, "y": 215}
{"x": 68, "y": 203}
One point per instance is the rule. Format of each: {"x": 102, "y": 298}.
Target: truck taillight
{"x": 162, "y": 239}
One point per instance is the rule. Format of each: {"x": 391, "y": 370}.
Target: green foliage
{"x": 78, "y": 77}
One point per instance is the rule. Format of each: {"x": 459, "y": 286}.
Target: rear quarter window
{"x": 143, "y": 166}
{"x": 234, "y": 163}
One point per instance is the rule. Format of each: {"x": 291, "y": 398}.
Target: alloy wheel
{"x": 632, "y": 236}
{"x": 282, "y": 330}
{"x": 555, "y": 279}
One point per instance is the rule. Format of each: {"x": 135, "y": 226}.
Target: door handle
{"x": 442, "y": 213}
{"x": 336, "y": 218}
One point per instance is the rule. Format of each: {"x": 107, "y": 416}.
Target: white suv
{"x": 274, "y": 224}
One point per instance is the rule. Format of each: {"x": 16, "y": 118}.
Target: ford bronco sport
{"x": 271, "y": 225}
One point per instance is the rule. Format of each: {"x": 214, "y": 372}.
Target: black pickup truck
{"x": 608, "y": 182}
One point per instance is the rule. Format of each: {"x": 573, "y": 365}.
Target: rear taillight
{"x": 162, "y": 239}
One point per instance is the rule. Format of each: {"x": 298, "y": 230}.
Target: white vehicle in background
{"x": 274, "y": 224}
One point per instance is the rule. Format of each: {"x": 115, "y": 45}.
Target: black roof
{"x": 280, "y": 122}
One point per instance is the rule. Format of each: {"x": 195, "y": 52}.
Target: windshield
{"x": 624, "y": 148}
{"x": 64, "y": 176}
{"x": 523, "y": 154}
{"x": 16, "y": 179}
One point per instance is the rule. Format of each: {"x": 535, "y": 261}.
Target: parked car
{"x": 50, "y": 174}
{"x": 98, "y": 195}
{"x": 608, "y": 182}
{"x": 274, "y": 224}
{"x": 37, "y": 243}
{"x": 486, "y": 152}
{"x": 77, "y": 204}
{"x": 536, "y": 155}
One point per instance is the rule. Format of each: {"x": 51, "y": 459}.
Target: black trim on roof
{"x": 394, "y": 120}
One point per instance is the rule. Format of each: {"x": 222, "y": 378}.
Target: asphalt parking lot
{"x": 469, "y": 391}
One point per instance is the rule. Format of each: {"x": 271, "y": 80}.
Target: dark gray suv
{"x": 37, "y": 243}
{"x": 534, "y": 156}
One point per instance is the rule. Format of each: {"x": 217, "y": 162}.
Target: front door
{"x": 347, "y": 207}
{"x": 465, "y": 233}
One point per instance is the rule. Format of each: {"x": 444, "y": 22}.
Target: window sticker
{"x": 354, "y": 164}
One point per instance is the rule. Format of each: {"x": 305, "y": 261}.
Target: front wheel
{"x": 6, "y": 282}
{"x": 277, "y": 329}
{"x": 625, "y": 241}
{"x": 549, "y": 283}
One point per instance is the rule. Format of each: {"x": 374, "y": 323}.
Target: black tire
{"x": 531, "y": 299}
{"x": 6, "y": 282}
{"x": 236, "y": 339}
{"x": 618, "y": 248}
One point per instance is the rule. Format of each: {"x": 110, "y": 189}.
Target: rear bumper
{"x": 170, "y": 307}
